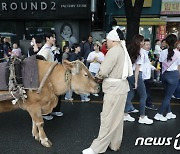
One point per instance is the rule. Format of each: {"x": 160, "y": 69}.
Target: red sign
{"x": 161, "y": 32}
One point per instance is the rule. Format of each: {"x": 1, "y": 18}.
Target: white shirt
{"x": 163, "y": 57}
{"x": 46, "y": 52}
{"x": 157, "y": 49}
{"x": 94, "y": 66}
{"x": 146, "y": 67}
{"x": 140, "y": 61}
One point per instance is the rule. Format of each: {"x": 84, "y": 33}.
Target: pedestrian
{"x": 146, "y": 73}
{"x": 46, "y": 52}
{"x": 36, "y": 45}
{"x": 136, "y": 82}
{"x": 95, "y": 59}
{"x": 170, "y": 61}
{"x": 88, "y": 47}
{"x": 176, "y": 94}
{"x": 104, "y": 46}
{"x": 157, "y": 47}
{"x": 65, "y": 55}
{"x": 113, "y": 71}
{"x": 163, "y": 44}
{"x": 73, "y": 56}
{"x": 16, "y": 51}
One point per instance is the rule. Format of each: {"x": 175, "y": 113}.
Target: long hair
{"x": 134, "y": 47}
{"x": 171, "y": 40}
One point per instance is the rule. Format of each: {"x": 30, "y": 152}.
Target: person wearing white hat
{"x": 114, "y": 70}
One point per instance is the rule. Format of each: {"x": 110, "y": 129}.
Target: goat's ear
{"x": 68, "y": 65}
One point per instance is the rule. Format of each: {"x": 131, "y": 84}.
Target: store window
{"x": 34, "y": 28}
{"x": 10, "y": 30}
{"x": 173, "y": 28}
{"x": 146, "y": 31}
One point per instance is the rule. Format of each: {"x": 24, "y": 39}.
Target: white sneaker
{"x": 133, "y": 111}
{"x": 69, "y": 99}
{"x": 170, "y": 115}
{"x": 85, "y": 100}
{"x": 96, "y": 95}
{"x": 58, "y": 114}
{"x": 128, "y": 118}
{"x": 49, "y": 117}
{"x": 160, "y": 117}
{"x": 88, "y": 151}
{"x": 145, "y": 120}
{"x": 175, "y": 97}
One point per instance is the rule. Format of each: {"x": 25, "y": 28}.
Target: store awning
{"x": 143, "y": 21}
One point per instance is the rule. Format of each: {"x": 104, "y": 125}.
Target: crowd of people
{"x": 122, "y": 71}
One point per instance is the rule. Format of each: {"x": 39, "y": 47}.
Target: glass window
{"x": 37, "y": 28}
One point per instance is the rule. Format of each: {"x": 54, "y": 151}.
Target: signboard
{"x": 44, "y": 9}
{"x": 170, "y": 7}
{"x": 143, "y": 21}
{"x": 161, "y": 32}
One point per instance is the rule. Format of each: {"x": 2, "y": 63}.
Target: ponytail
{"x": 171, "y": 40}
{"x": 170, "y": 53}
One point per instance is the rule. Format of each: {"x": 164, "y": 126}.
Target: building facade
{"x": 158, "y": 18}
{"x": 24, "y": 19}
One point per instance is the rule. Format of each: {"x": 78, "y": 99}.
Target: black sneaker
{"x": 151, "y": 107}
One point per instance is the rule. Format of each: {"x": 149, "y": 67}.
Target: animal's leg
{"x": 35, "y": 131}
{"x": 36, "y": 116}
{"x": 43, "y": 138}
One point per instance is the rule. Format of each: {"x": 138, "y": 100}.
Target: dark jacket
{"x": 87, "y": 49}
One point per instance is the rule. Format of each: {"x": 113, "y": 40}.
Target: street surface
{"x": 78, "y": 127}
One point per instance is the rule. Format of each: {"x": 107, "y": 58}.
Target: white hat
{"x": 113, "y": 35}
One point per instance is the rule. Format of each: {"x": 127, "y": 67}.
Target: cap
{"x": 113, "y": 35}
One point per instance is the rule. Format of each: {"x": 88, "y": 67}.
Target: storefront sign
{"x": 170, "y": 7}
{"x": 43, "y": 9}
{"x": 161, "y": 32}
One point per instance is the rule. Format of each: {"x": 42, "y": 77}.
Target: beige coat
{"x": 112, "y": 68}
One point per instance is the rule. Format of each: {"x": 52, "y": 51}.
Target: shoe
{"x": 160, "y": 117}
{"x": 145, "y": 120}
{"x": 128, "y": 118}
{"x": 69, "y": 99}
{"x": 175, "y": 97}
{"x": 85, "y": 100}
{"x": 96, "y": 95}
{"x": 151, "y": 107}
{"x": 58, "y": 114}
{"x": 170, "y": 115}
{"x": 88, "y": 151}
{"x": 48, "y": 117}
{"x": 133, "y": 111}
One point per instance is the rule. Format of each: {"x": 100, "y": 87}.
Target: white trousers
{"x": 112, "y": 120}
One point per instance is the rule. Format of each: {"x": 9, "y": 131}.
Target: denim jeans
{"x": 93, "y": 74}
{"x": 147, "y": 84}
{"x": 141, "y": 90}
{"x": 177, "y": 91}
{"x": 170, "y": 80}
{"x": 70, "y": 92}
